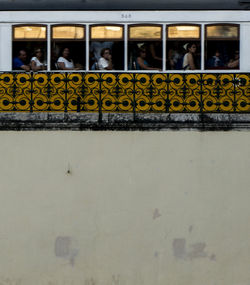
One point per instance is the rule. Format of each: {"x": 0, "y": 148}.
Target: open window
{"x": 106, "y": 49}
{"x": 183, "y": 45}
{"x": 222, "y": 46}
{"x": 144, "y": 47}
{"x": 27, "y": 41}
{"x": 68, "y": 47}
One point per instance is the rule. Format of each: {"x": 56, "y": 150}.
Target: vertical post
{"x": 100, "y": 99}
{"x": 126, "y": 47}
{"x": 66, "y": 93}
{"x": 201, "y": 93}
{"x": 87, "y": 47}
{"x": 202, "y": 47}
{"x": 49, "y": 47}
{"x": 31, "y": 91}
{"x": 167, "y": 103}
{"x": 234, "y": 100}
{"x": 164, "y": 47}
{"x": 134, "y": 98}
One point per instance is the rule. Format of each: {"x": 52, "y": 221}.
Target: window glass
{"x": 106, "y": 48}
{"x": 222, "y": 31}
{"x": 68, "y": 32}
{"x": 106, "y": 32}
{"x": 183, "y": 47}
{"x": 145, "y": 32}
{"x": 222, "y": 47}
{"x": 183, "y": 31}
{"x": 29, "y": 32}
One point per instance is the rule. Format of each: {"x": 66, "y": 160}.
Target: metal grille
{"x": 125, "y": 92}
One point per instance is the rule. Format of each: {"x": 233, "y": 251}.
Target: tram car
{"x": 163, "y": 56}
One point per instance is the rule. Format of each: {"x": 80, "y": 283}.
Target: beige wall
{"x": 116, "y": 208}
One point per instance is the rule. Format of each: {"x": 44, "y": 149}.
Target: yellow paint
{"x": 125, "y": 92}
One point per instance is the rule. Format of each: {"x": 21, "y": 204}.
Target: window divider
{"x": 126, "y": 47}
{"x": 49, "y": 47}
{"x": 202, "y": 41}
{"x": 164, "y": 47}
{"x": 87, "y": 43}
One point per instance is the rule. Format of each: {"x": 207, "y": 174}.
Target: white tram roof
{"x": 23, "y": 5}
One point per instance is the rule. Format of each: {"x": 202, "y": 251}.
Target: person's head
{"x": 66, "y": 53}
{"x": 191, "y": 47}
{"x": 38, "y": 53}
{"x": 105, "y": 53}
{"x": 22, "y": 55}
{"x": 217, "y": 53}
{"x": 142, "y": 52}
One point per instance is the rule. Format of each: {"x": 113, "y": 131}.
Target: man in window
{"x": 105, "y": 61}
{"x": 19, "y": 61}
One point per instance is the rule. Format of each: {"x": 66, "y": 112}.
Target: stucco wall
{"x": 116, "y": 208}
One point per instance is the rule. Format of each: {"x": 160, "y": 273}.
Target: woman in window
{"x": 37, "y": 61}
{"x": 141, "y": 62}
{"x": 65, "y": 62}
{"x": 189, "y": 57}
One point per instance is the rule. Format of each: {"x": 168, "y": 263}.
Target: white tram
{"x": 164, "y": 27}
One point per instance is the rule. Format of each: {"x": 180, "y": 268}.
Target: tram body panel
{"x": 165, "y": 18}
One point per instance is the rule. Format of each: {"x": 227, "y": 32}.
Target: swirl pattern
{"x": 125, "y": 92}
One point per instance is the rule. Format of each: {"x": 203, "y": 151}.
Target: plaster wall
{"x": 124, "y": 208}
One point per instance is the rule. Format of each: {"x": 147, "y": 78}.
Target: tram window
{"x": 29, "y": 45}
{"x": 183, "y": 47}
{"x": 145, "y": 47}
{"x": 106, "y": 47}
{"x": 68, "y": 47}
{"x": 222, "y": 47}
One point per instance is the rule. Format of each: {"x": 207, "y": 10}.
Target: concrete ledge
{"x": 123, "y": 121}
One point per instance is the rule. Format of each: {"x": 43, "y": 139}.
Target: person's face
{"x": 66, "y": 53}
{"x": 22, "y": 55}
{"x": 217, "y": 54}
{"x": 143, "y": 53}
{"x": 106, "y": 54}
{"x": 39, "y": 53}
{"x": 192, "y": 49}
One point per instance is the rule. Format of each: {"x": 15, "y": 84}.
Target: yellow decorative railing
{"x": 125, "y": 92}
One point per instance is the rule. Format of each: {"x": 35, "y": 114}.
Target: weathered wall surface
{"x": 131, "y": 208}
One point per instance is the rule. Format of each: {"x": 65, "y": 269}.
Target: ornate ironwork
{"x": 125, "y": 92}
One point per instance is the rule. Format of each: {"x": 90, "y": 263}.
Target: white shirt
{"x": 185, "y": 62}
{"x": 37, "y": 61}
{"x": 67, "y": 63}
{"x": 103, "y": 63}
{"x": 96, "y": 48}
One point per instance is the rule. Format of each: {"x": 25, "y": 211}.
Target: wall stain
{"x": 179, "y": 247}
{"x": 156, "y": 214}
{"x": 65, "y": 247}
{"x": 197, "y": 250}
{"x": 156, "y": 254}
{"x": 194, "y": 251}
{"x": 213, "y": 257}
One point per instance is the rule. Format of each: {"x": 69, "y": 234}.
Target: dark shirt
{"x": 17, "y": 63}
